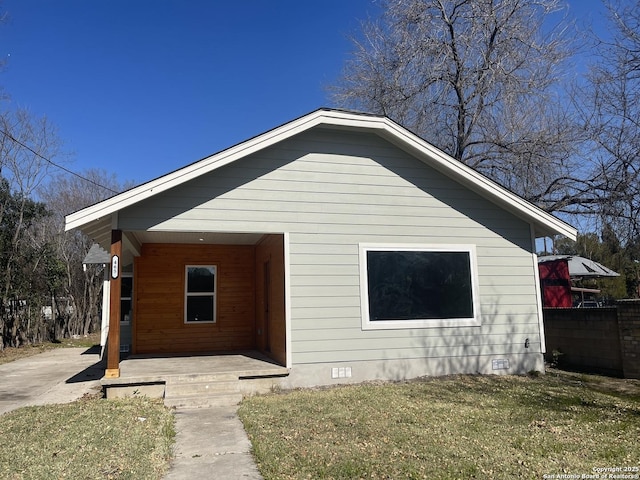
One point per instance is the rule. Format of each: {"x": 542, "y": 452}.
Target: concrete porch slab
{"x": 150, "y": 374}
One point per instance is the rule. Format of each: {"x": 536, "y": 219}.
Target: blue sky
{"x": 143, "y": 87}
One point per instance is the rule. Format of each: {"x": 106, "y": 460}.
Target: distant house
{"x": 558, "y": 274}
{"x": 340, "y": 244}
{"x": 99, "y": 256}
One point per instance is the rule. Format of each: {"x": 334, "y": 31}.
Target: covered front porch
{"x": 150, "y": 309}
{"x": 196, "y": 380}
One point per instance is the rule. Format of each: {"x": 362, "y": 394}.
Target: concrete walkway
{"x": 210, "y": 442}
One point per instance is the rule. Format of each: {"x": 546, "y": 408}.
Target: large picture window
{"x": 200, "y": 294}
{"x": 418, "y": 286}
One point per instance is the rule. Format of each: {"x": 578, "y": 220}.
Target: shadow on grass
{"x": 532, "y": 396}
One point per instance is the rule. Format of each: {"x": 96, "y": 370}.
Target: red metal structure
{"x": 556, "y": 283}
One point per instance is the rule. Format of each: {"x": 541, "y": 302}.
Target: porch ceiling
{"x": 198, "y": 237}
{"x": 101, "y": 234}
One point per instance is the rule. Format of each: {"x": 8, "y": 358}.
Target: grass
{"x": 10, "y": 354}
{"x": 454, "y": 427}
{"x": 91, "y": 438}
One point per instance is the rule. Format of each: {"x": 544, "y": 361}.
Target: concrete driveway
{"x": 57, "y": 376}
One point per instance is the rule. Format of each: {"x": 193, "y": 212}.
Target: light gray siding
{"x": 331, "y": 191}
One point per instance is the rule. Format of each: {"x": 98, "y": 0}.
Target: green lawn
{"x": 455, "y": 427}
{"x": 91, "y": 438}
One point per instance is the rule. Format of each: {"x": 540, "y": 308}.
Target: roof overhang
{"x": 98, "y": 217}
{"x": 580, "y": 267}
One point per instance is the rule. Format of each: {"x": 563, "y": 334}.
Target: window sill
{"x": 418, "y": 324}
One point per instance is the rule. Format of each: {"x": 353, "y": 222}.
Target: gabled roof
{"x": 580, "y": 266}
{"x": 544, "y": 223}
{"x": 96, "y": 255}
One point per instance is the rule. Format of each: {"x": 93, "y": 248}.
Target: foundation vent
{"x": 341, "y": 372}
{"x": 500, "y": 364}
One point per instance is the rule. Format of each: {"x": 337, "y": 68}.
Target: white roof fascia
{"x": 334, "y": 118}
{"x": 444, "y": 162}
{"x": 182, "y": 175}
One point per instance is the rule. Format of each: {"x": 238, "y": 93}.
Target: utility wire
{"x": 12, "y": 138}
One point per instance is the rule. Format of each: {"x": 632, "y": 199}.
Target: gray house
{"x": 341, "y": 245}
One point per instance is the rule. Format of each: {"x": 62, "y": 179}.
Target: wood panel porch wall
{"x": 271, "y": 250}
{"x": 159, "y": 281}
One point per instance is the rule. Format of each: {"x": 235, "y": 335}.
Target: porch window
{"x": 200, "y": 294}
{"x": 126, "y": 296}
{"x": 418, "y": 286}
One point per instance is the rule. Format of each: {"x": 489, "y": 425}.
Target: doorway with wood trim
{"x": 270, "y": 298}
{"x": 266, "y": 304}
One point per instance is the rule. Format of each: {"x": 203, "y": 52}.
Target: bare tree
{"x": 82, "y": 287}
{"x": 611, "y": 112}
{"x": 40, "y": 264}
{"x": 481, "y": 80}
{"x": 26, "y": 147}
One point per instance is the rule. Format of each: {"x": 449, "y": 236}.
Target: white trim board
{"x": 367, "y": 324}
{"x": 544, "y": 223}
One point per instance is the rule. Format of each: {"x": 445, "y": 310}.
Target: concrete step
{"x": 203, "y": 401}
{"x": 193, "y": 391}
{"x": 201, "y": 388}
{"x": 201, "y": 377}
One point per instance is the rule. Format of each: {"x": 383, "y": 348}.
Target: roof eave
{"x": 177, "y": 177}
{"x": 544, "y": 223}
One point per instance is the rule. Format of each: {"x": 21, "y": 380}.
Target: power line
{"x": 12, "y": 138}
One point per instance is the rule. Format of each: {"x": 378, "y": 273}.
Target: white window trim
{"x": 201, "y": 294}
{"x": 475, "y": 321}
